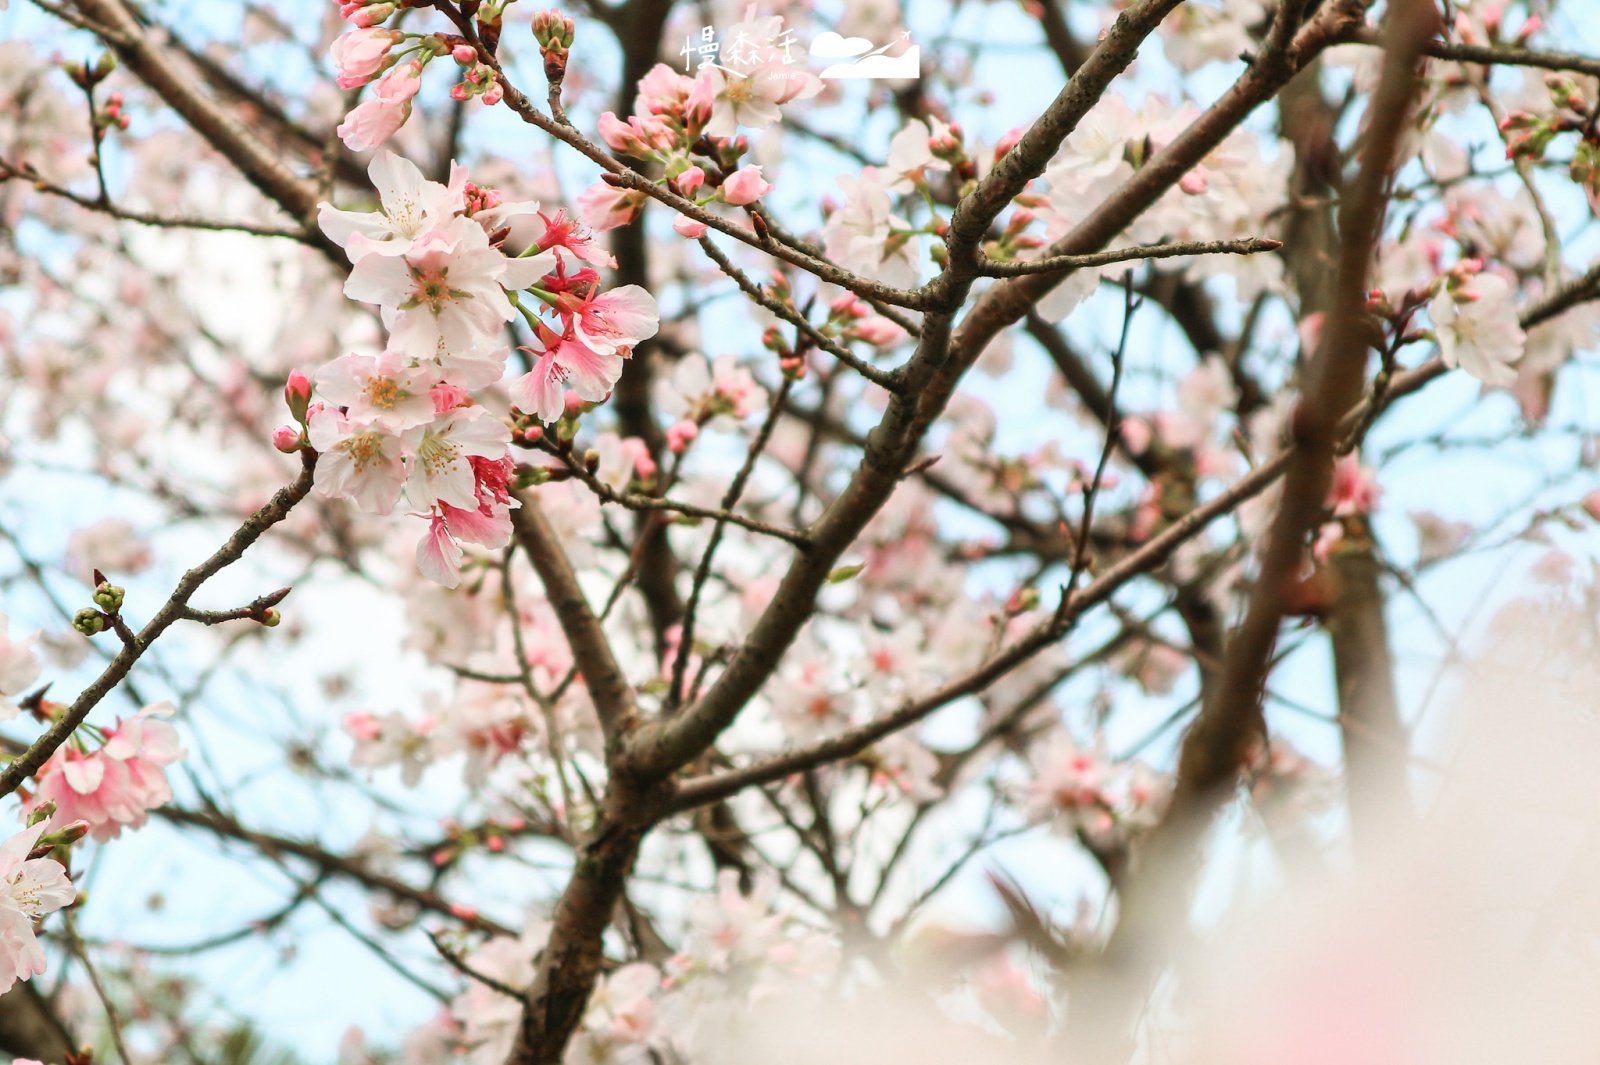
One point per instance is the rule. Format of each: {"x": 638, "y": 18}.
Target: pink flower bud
{"x": 297, "y": 394}
{"x": 619, "y": 136}
{"x": 681, "y": 434}
{"x": 878, "y": 331}
{"x": 745, "y": 186}
{"x": 691, "y": 180}
{"x": 494, "y": 94}
{"x": 464, "y": 54}
{"x": 688, "y": 227}
{"x": 1008, "y": 141}
{"x": 573, "y": 403}
{"x": 286, "y": 438}
{"x": 1194, "y": 183}
{"x": 362, "y": 725}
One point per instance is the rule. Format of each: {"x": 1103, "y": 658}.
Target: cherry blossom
{"x": 750, "y": 98}
{"x": 864, "y": 235}
{"x": 111, "y": 545}
{"x": 1477, "y": 327}
{"x": 391, "y": 740}
{"x": 116, "y": 786}
{"x": 446, "y": 289}
{"x": 612, "y": 322}
{"x": 359, "y": 462}
{"x": 384, "y": 391}
{"x": 441, "y": 470}
{"x": 19, "y": 667}
{"x": 33, "y": 887}
{"x": 411, "y": 206}
{"x": 911, "y": 154}
{"x": 489, "y": 1019}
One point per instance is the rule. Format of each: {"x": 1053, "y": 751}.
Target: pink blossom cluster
{"x": 1081, "y": 790}
{"x": 675, "y": 116}
{"x": 396, "y": 59}
{"x": 449, "y": 266}
{"x": 115, "y": 786}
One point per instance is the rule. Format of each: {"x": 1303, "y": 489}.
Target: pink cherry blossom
{"x": 445, "y": 290}
{"x": 1355, "y": 489}
{"x": 614, "y": 321}
{"x": 362, "y": 463}
{"x": 384, "y": 390}
{"x": 441, "y": 470}
{"x": 569, "y": 361}
{"x": 751, "y": 100}
{"x": 381, "y": 115}
{"x": 115, "y": 786}
{"x": 391, "y": 740}
{"x": 366, "y": 13}
{"x": 438, "y": 554}
{"x": 110, "y": 544}
{"x": 745, "y": 186}
{"x": 30, "y": 888}
{"x": 680, "y": 434}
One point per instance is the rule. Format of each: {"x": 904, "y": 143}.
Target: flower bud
{"x": 66, "y": 835}
{"x": 89, "y": 621}
{"x": 108, "y": 597}
{"x": 680, "y": 434}
{"x": 464, "y": 54}
{"x": 690, "y": 180}
{"x": 286, "y": 438}
{"x": 297, "y": 394}
{"x": 43, "y": 812}
{"x": 271, "y": 618}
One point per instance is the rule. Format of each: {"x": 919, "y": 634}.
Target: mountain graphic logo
{"x": 860, "y": 60}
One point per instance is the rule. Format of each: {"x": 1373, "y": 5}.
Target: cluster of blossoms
{"x": 450, "y": 266}
{"x": 1082, "y": 791}
{"x": 396, "y": 60}
{"x": 116, "y": 785}
{"x": 78, "y": 793}
{"x": 675, "y": 117}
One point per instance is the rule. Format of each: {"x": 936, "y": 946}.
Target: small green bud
{"x": 42, "y": 812}
{"x": 89, "y": 621}
{"x": 272, "y": 619}
{"x": 108, "y": 597}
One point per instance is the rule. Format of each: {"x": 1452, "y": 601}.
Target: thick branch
{"x": 591, "y": 650}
